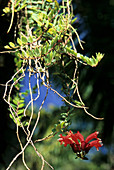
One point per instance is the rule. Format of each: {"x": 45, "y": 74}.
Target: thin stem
{"x": 30, "y": 89}
{"x": 41, "y": 157}
{"x": 29, "y": 139}
{"x": 23, "y": 159}
{"x": 63, "y": 97}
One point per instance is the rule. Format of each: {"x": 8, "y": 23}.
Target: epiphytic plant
{"x": 43, "y": 39}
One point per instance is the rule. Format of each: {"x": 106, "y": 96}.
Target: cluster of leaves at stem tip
{"x": 48, "y": 40}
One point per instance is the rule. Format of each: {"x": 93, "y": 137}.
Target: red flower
{"x": 79, "y": 146}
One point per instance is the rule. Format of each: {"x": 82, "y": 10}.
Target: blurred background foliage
{"x": 95, "y": 25}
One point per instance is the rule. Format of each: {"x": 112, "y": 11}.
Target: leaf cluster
{"x": 18, "y": 110}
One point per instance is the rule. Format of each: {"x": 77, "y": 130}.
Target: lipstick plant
{"x": 80, "y": 146}
{"x": 44, "y": 39}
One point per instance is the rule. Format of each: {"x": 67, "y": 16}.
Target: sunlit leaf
{"x": 21, "y": 105}
{"x": 19, "y": 41}
{"x": 24, "y": 40}
{"x": 12, "y": 44}
{"x": 6, "y": 10}
{"x": 7, "y": 47}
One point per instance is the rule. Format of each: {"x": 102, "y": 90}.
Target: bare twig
{"x": 23, "y": 159}
{"x": 4, "y": 85}
{"x": 30, "y": 89}
{"x": 76, "y": 84}
{"x": 64, "y": 99}
{"x": 47, "y": 137}
{"x": 29, "y": 139}
{"x": 41, "y": 157}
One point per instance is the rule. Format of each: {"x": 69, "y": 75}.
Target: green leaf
{"x": 17, "y": 3}
{"x": 19, "y": 41}
{"x": 50, "y": 15}
{"x": 63, "y": 114}
{"x": 14, "y": 106}
{"x": 62, "y": 124}
{"x": 24, "y": 40}
{"x": 71, "y": 51}
{"x": 50, "y": 57}
{"x": 46, "y": 24}
{"x": 63, "y": 6}
{"x": 43, "y": 50}
{"x": 21, "y": 101}
{"x": 20, "y": 111}
{"x": 49, "y": 1}
{"x": 68, "y": 63}
{"x": 52, "y": 31}
{"x": 11, "y": 116}
{"x": 78, "y": 103}
{"x": 73, "y": 87}
{"x": 99, "y": 56}
{"x": 15, "y": 102}
{"x": 95, "y": 60}
{"x": 67, "y": 124}
{"x": 21, "y": 105}
{"x": 12, "y": 44}
{"x": 25, "y": 123}
{"x": 30, "y": 39}
{"x": 73, "y": 20}
{"x": 54, "y": 41}
{"x": 35, "y": 17}
{"x": 6, "y": 10}
{"x": 7, "y": 47}
{"x": 26, "y": 92}
{"x": 91, "y": 61}
{"x": 20, "y": 8}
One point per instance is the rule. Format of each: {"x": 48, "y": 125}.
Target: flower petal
{"x": 79, "y": 136}
{"x": 97, "y": 143}
{"x": 83, "y": 145}
{"x": 65, "y": 140}
{"x": 73, "y": 137}
{"x": 92, "y": 136}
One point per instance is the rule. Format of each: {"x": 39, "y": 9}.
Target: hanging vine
{"x": 43, "y": 39}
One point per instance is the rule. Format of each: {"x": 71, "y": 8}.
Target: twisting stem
{"x": 41, "y": 157}
{"x": 30, "y": 89}
{"x": 23, "y": 159}
{"x": 76, "y": 83}
{"x": 63, "y": 97}
{"x": 29, "y": 139}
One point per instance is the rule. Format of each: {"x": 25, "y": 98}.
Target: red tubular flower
{"x": 96, "y": 143}
{"x": 80, "y": 148}
{"x": 92, "y": 136}
{"x": 65, "y": 140}
{"x": 73, "y": 137}
{"x": 79, "y": 136}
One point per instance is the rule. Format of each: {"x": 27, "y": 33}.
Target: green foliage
{"x": 65, "y": 120}
{"x": 43, "y": 42}
{"x": 50, "y": 27}
{"x": 90, "y": 61}
{"x": 18, "y": 110}
{"x": 48, "y": 23}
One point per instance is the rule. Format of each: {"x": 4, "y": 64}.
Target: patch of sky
{"x": 59, "y": 1}
{"x": 104, "y": 150}
{"x": 52, "y": 98}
